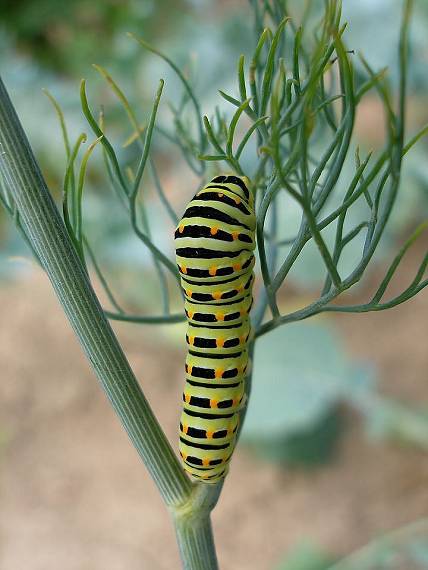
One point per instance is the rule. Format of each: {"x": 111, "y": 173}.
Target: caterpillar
{"x": 214, "y": 242}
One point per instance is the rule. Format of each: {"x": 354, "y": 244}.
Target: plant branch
{"x": 47, "y": 233}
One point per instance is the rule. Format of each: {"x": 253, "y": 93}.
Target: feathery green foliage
{"x": 292, "y": 119}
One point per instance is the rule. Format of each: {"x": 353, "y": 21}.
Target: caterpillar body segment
{"x": 218, "y": 340}
{"x": 215, "y": 241}
{"x": 218, "y": 314}
{"x": 211, "y": 400}
{"x": 207, "y": 475}
{"x": 216, "y": 269}
{"x": 224, "y": 368}
{"x": 228, "y": 290}
{"x": 218, "y": 428}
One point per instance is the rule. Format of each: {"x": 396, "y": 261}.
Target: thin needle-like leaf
{"x": 71, "y": 221}
{"x": 121, "y": 96}
{"x": 80, "y": 184}
{"x": 99, "y": 133}
{"x": 186, "y": 84}
{"x": 61, "y": 119}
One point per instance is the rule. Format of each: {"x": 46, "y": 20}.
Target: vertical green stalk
{"x": 48, "y": 236}
{"x": 46, "y": 231}
{"x": 193, "y": 528}
{"x": 196, "y": 542}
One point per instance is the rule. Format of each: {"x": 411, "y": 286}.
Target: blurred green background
{"x": 313, "y": 399}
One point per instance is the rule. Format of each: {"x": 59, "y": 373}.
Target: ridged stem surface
{"x": 193, "y": 528}
{"x": 190, "y": 505}
{"x": 47, "y": 233}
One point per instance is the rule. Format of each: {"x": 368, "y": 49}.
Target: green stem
{"x": 53, "y": 246}
{"x": 46, "y": 232}
{"x": 193, "y": 528}
{"x": 196, "y": 542}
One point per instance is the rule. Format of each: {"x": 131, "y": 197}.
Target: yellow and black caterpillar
{"x": 214, "y": 242}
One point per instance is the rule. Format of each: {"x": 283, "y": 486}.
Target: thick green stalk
{"x": 193, "y": 528}
{"x": 196, "y": 543}
{"x": 47, "y": 233}
{"x": 48, "y": 236}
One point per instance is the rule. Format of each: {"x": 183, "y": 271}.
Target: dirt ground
{"x": 74, "y": 494}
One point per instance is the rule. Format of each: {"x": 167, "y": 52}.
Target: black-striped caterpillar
{"x": 214, "y": 243}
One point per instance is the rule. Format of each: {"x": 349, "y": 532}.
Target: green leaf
{"x": 418, "y": 551}
{"x": 300, "y": 373}
{"x": 392, "y": 420}
{"x": 402, "y": 548}
{"x": 306, "y": 556}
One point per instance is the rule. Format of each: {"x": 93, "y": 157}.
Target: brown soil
{"x": 73, "y": 492}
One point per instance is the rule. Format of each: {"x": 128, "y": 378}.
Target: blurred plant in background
{"x": 286, "y": 120}
{"x": 405, "y": 549}
{"x": 65, "y": 37}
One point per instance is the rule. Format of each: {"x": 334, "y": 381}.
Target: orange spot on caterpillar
{"x": 183, "y": 269}
{"x": 185, "y": 429}
{"x": 205, "y": 462}
{"x": 212, "y": 271}
{"x": 237, "y": 266}
{"x": 187, "y": 398}
{"x": 219, "y": 373}
{"x": 181, "y": 228}
{"x": 235, "y": 235}
{"x": 184, "y": 456}
{"x": 217, "y": 295}
{"x": 237, "y": 201}
{"x": 188, "y": 293}
{"x": 220, "y": 195}
{"x": 190, "y": 314}
{"x": 189, "y": 370}
{"x": 219, "y": 316}
{"x": 191, "y": 340}
{"x": 209, "y": 434}
{"x": 213, "y": 403}
{"x": 219, "y": 342}
{"x": 242, "y": 339}
{"x": 213, "y": 231}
